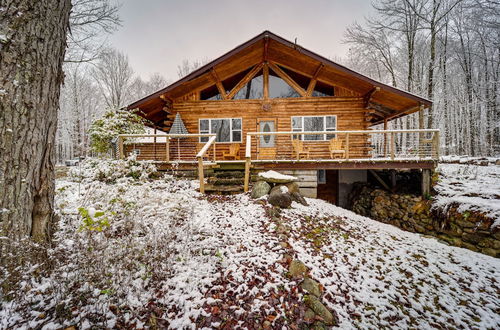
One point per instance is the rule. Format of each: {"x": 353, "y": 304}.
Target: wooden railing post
{"x": 167, "y": 149}
{"x": 248, "y": 162}
{"x": 393, "y": 145}
{"x": 347, "y": 146}
{"x": 201, "y": 175}
{"x": 385, "y": 138}
{"x": 120, "y": 148}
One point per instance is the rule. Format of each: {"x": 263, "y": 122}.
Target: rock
{"x": 260, "y": 188}
{"x": 293, "y": 187}
{"x": 318, "y": 326}
{"x": 280, "y": 199}
{"x": 279, "y": 188}
{"x": 275, "y": 177}
{"x": 297, "y": 269}
{"x": 491, "y": 252}
{"x": 317, "y": 306}
{"x": 497, "y": 162}
{"x": 311, "y": 286}
{"x": 309, "y": 315}
{"x": 297, "y": 197}
{"x": 284, "y": 245}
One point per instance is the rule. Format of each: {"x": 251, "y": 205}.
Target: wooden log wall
{"x": 350, "y": 112}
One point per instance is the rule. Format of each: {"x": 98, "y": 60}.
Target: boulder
{"x": 260, "y": 188}
{"x": 297, "y": 269}
{"x": 293, "y": 187}
{"x": 275, "y": 177}
{"x": 317, "y": 306}
{"x": 280, "y": 198}
{"x": 279, "y": 188}
{"x": 297, "y": 197}
{"x": 311, "y": 286}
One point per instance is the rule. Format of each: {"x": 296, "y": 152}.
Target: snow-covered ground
{"x": 143, "y": 252}
{"x": 471, "y": 187}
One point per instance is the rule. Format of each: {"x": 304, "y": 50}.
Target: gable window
{"x": 315, "y": 124}
{"x": 225, "y": 129}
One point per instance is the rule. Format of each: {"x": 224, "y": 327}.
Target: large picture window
{"x": 225, "y": 129}
{"x": 315, "y": 124}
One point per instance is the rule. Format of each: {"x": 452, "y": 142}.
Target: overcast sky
{"x": 158, "y": 34}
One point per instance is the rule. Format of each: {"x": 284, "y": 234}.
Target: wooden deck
{"x": 382, "y": 152}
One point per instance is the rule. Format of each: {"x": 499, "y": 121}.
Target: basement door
{"x": 328, "y": 186}
{"x": 267, "y": 147}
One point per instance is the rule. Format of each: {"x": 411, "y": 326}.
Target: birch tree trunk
{"x": 32, "y": 48}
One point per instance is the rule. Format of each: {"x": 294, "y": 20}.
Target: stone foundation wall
{"x": 471, "y": 230}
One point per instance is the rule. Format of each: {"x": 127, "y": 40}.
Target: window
{"x": 313, "y": 124}
{"x": 225, "y": 129}
{"x": 321, "y": 176}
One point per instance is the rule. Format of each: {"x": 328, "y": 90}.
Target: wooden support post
{"x": 247, "y": 173}
{"x": 393, "y": 145}
{"x": 121, "y": 152}
{"x": 347, "y": 146}
{"x": 393, "y": 180}
{"x": 426, "y": 182}
{"x": 167, "y": 148}
{"x": 154, "y": 143}
{"x": 201, "y": 175}
{"x": 215, "y": 153}
{"x": 385, "y": 138}
{"x": 421, "y": 136}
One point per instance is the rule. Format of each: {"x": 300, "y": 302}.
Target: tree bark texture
{"x": 32, "y": 48}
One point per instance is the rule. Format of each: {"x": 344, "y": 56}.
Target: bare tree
{"x": 32, "y": 43}
{"x": 114, "y": 76}
{"x": 90, "y": 22}
{"x": 186, "y": 67}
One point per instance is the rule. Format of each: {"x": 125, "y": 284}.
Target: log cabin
{"x": 272, "y": 104}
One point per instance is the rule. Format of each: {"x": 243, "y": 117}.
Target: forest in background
{"x": 445, "y": 50}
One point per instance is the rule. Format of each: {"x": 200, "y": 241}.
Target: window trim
{"x": 301, "y": 129}
{"x": 231, "y": 130}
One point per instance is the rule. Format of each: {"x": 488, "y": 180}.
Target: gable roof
{"x": 389, "y": 102}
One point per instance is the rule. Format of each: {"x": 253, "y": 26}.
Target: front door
{"x": 267, "y": 147}
{"x": 266, "y": 141}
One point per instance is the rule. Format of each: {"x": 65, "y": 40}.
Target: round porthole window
{"x": 266, "y": 129}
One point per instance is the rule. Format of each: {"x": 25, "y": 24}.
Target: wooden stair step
{"x": 223, "y": 188}
{"x": 217, "y": 181}
{"x": 229, "y": 174}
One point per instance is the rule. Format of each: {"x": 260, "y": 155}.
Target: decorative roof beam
{"x": 369, "y": 95}
{"x": 265, "y": 81}
{"x": 219, "y": 85}
{"x": 266, "y": 47}
{"x": 249, "y": 76}
{"x": 287, "y": 79}
{"x": 314, "y": 79}
{"x": 382, "y": 109}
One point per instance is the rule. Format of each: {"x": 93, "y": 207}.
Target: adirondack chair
{"x": 336, "y": 148}
{"x": 299, "y": 149}
{"x": 233, "y": 153}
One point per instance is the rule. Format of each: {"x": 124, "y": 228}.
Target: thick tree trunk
{"x": 32, "y": 47}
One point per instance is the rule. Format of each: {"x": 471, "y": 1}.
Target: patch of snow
{"x": 471, "y": 187}
{"x": 284, "y": 189}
